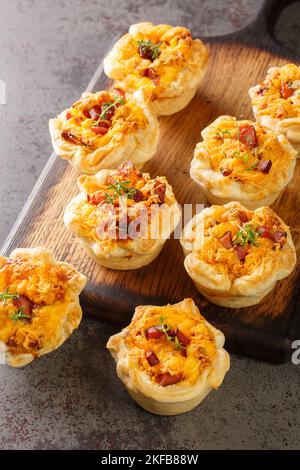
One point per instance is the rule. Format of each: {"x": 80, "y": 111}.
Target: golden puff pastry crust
{"x": 276, "y": 102}
{"x": 242, "y": 161}
{"x": 123, "y": 217}
{"x": 169, "y": 357}
{"x": 163, "y": 60}
{"x": 39, "y": 304}
{"x": 100, "y": 129}
{"x": 235, "y": 256}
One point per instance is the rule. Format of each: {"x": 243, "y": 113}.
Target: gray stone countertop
{"x": 72, "y": 398}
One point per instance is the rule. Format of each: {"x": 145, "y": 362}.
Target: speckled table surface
{"x": 72, "y": 399}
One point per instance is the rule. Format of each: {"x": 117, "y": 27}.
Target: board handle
{"x": 265, "y": 23}
{"x": 271, "y": 11}
{"x": 259, "y": 33}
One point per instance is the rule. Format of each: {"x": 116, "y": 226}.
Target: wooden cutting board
{"x": 265, "y": 331}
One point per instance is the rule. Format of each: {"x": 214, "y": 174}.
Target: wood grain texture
{"x": 264, "y": 331}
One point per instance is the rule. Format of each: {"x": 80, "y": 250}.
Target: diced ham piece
{"x": 226, "y": 240}
{"x": 145, "y": 53}
{"x": 172, "y": 333}
{"x": 265, "y": 232}
{"x": 226, "y": 171}
{"x": 248, "y": 136}
{"x": 183, "y": 352}
{"x": 154, "y": 332}
{"x": 160, "y": 191}
{"x": 96, "y": 198}
{"x": 120, "y": 93}
{"x": 102, "y": 129}
{"x": 151, "y": 358}
{"x": 183, "y": 340}
{"x": 23, "y": 302}
{"x": 241, "y": 252}
{"x": 138, "y": 196}
{"x": 86, "y": 113}
{"x": 265, "y": 166}
{"x": 95, "y": 112}
{"x": 110, "y": 112}
{"x": 243, "y": 217}
{"x": 150, "y": 73}
{"x": 279, "y": 237}
{"x": 262, "y": 90}
{"x": 167, "y": 379}
{"x": 286, "y": 91}
{"x": 70, "y": 137}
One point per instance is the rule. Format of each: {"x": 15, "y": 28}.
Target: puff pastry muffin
{"x": 123, "y": 217}
{"x": 236, "y": 256}
{"x": 242, "y": 161}
{"x": 101, "y": 128}
{"x": 39, "y": 304}
{"x": 169, "y": 357}
{"x": 276, "y": 102}
{"x": 164, "y": 60}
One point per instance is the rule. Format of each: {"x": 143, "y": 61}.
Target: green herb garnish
{"x": 253, "y": 167}
{"x": 148, "y": 49}
{"x": 105, "y": 107}
{"x": 247, "y": 234}
{"x": 242, "y": 155}
{"x": 172, "y": 339}
{"x": 177, "y": 343}
{"x": 6, "y": 295}
{"x": 221, "y": 133}
{"x": 18, "y": 314}
{"x": 109, "y": 198}
{"x": 165, "y": 328}
{"x": 120, "y": 188}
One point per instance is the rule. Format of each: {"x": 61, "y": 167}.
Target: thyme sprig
{"x": 120, "y": 188}
{"x": 244, "y": 156}
{"x": 18, "y": 314}
{"x": 105, "y": 107}
{"x": 6, "y": 295}
{"x": 147, "y": 47}
{"x": 166, "y": 328}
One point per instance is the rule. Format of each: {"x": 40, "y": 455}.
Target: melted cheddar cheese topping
{"x": 43, "y": 286}
{"x": 175, "y": 48}
{"x": 237, "y": 242}
{"x": 278, "y": 95}
{"x": 127, "y": 193}
{"x": 102, "y": 118}
{"x": 245, "y": 152}
{"x": 183, "y": 364}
